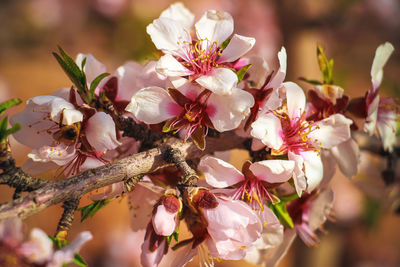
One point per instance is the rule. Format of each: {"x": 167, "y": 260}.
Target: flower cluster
{"x": 203, "y": 83}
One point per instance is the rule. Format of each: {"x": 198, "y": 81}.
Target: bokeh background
{"x": 366, "y": 232}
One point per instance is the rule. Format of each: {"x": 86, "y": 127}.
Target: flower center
{"x": 201, "y": 56}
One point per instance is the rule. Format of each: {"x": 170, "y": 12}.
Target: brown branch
{"x": 67, "y": 217}
{"x": 189, "y": 176}
{"x": 133, "y": 166}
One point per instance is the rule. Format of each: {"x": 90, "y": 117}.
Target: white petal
{"x": 39, "y": 248}
{"x": 180, "y": 13}
{"x": 220, "y": 81}
{"x": 299, "y": 178}
{"x": 331, "y": 131}
{"x": 36, "y": 167}
{"x": 167, "y": 65}
{"x": 71, "y": 116}
{"x": 320, "y": 209}
{"x": 219, "y": 173}
{"x": 214, "y": 26}
{"x": 370, "y": 121}
{"x": 153, "y": 105}
{"x": 259, "y": 71}
{"x": 100, "y": 132}
{"x": 313, "y": 169}
{"x": 60, "y": 154}
{"x": 347, "y": 155}
{"x": 90, "y": 163}
{"x": 93, "y": 67}
{"x": 387, "y": 129}
{"x": 237, "y": 47}
{"x": 329, "y": 169}
{"x": 163, "y": 221}
{"x": 279, "y": 77}
{"x": 226, "y": 112}
{"x": 267, "y": 128}
{"x": 382, "y": 55}
{"x": 279, "y": 252}
{"x": 273, "y": 171}
{"x": 296, "y": 100}
{"x": 168, "y": 35}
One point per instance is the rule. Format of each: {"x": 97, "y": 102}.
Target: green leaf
{"x": 91, "y": 209}
{"x": 325, "y": 65}
{"x": 3, "y": 124}
{"x": 74, "y": 79}
{"x": 16, "y": 127}
{"x": 96, "y": 82}
{"x": 83, "y": 64}
{"x": 225, "y": 43}
{"x": 78, "y": 260}
{"x": 58, "y": 241}
{"x": 310, "y": 81}
{"x": 289, "y": 197}
{"x": 242, "y": 71}
{"x": 281, "y": 212}
{"x": 4, "y": 106}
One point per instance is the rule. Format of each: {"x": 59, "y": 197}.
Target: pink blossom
{"x": 286, "y": 131}
{"x": 204, "y": 60}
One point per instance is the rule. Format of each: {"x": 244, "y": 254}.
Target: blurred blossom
{"x": 110, "y": 8}
{"x": 386, "y": 10}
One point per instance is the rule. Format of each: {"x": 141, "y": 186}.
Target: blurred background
{"x": 366, "y": 231}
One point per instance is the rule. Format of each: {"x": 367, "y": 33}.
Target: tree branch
{"x": 133, "y": 166}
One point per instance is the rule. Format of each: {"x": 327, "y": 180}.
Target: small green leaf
{"x": 91, "y": 209}
{"x": 310, "y": 81}
{"x": 4, "y": 106}
{"x": 289, "y": 197}
{"x": 242, "y": 71}
{"x": 83, "y": 64}
{"x": 325, "y": 65}
{"x": 78, "y": 260}
{"x": 225, "y": 43}
{"x": 4, "y": 124}
{"x": 96, "y": 82}
{"x": 281, "y": 212}
{"x": 169, "y": 239}
{"x": 76, "y": 80}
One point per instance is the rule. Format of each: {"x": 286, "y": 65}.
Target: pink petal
{"x": 273, "y": 171}
{"x": 237, "y": 47}
{"x": 153, "y": 105}
{"x": 163, "y": 221}
{"x": 39, "y": 248}
{"x": 219, "y": 173}
{"x": 347, "y": 155}
{"x": 320, "y": 209}
{"x": 299, "y": 178}
{"x": 100, "y": 132}
{"x": 220, "y": 81}
{"x": 268, "y": 129}
{"x": 227, "y": 112}
{"x": 296, "y": 100}
{"x": 93, "y": 67}
{"x": 259, "y": 71}
{"x": 215, "y": 26}
{"x": 152, "y": 258}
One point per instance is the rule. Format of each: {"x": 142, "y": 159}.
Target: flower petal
{"x": 100, "y": 132}
{"x": 331, "y": 131}
{"x": 168, "y": 35}
{"x": 313, "y": 169}
{"x": 382, "y": 55}
{"x": 93, "y": 67}
{"x": 347, "y": 155}
{"x": 215, "y": 26}
{"x": 273, "y": 171}
{"x": 296, "y": 100}
{"x": 163, "y": 221}
{"x": 259, "y": 71}
{"x": 167, "y": 65}
{"x": 71, "y": 116}
{"x": 268, "y": 129}
{"x": 153, "y": 105}
{"x": 227, "y": 112}
{"x": 220, "y": 81}
{"x": 180, "y": 13}
{"x": 279, "y": 77}
{"x": 39, "y": 248}
{"x": 60, "y": 154}
{"x": 219, "y": 173}
{"x": 237, "y": 47}
{"x": 320, "y": 209}
{"x": 299, "y": 178}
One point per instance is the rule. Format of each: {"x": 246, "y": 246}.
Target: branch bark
{"x": 55, "y": 192}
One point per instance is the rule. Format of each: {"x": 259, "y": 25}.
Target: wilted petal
{"x": 268, "y": 129}
{"x": 168, "y": 35}
{"x": 220, "y": 81}
{"x": 219, "y": 173}
{"x": 382, "y": 55}
{"x": 214, "y": 26}
{"x": 153, "y": 105}
{"x": 237, "y": 47}
{"x": 180, "y": 13}
{"x": 331, "y": 131}
{"x": 347, "y": 155}
{"x": 227, "y": 112}
{"x": 100, "y": 132}
{"x": 167, "y": 65}
{"x": 273, "y": 171}
{"x": 93, "y": 67}
{"x": 296, "y": 100}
